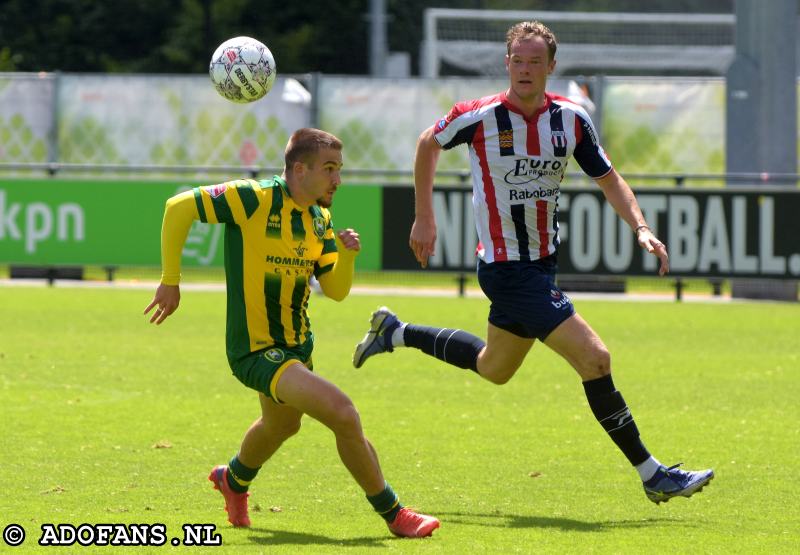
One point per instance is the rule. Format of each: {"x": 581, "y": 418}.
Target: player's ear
{"x": 552, "y": 67}
{"x": 299, "y": 169}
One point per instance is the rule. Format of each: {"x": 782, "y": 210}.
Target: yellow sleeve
{"x": 179, "y": 214}
{"x": 336, "y": 283}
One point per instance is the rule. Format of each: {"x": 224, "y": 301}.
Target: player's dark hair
{"x": 304, "y": 144}
{"x": 525, "y": 29}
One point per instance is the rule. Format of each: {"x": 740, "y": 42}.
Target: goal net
{"x": 472, "y": 42}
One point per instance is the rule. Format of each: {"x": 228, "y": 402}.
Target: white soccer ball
{"x": 242, "y": 69}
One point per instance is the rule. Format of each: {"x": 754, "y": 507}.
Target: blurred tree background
{"x": 179, "y": 36}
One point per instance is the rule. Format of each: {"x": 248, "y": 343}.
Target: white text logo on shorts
{"x": 560, "y": 300}
{"x": 274, "y": 355}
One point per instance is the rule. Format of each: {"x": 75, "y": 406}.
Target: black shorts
{"x": 525, "y": 298}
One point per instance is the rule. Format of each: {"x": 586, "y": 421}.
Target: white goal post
{"x": 472, "y": 42}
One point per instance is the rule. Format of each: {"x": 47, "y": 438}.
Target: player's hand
{"x": 167, "y": 298}
{"x": 651, "y": 244}
{"x": 423, "y": 240}
{"x": 350, "y": 239}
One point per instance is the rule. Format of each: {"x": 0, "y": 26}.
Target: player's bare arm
{"x": 423, "y": 232}
{"x": 621, "y": 197}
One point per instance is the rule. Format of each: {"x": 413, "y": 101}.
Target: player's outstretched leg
{"x": 408, "y": 524}
{"x": 672, "y": 482}
{"x": 235, "y": 503}
{"x": 379, "y": 337}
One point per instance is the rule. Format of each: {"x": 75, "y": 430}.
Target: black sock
{"x": 386, "y": 503}
{"x": 239, "y": 475}
{"x": 455, "y": 347}
{"x": 614, "y": 415}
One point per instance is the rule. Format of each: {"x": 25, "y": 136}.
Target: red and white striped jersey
{"x": 517, "y": 165}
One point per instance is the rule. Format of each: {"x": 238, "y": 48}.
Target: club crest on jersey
{"x": 274, "y": 355}
{"x": 559, "y": 139}
{"x": 319, "y": 226}
{"x": 215, "y": 191}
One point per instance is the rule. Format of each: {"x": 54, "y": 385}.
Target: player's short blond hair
{"x": 305, "y": 143}
{"x": 525, "y": 29}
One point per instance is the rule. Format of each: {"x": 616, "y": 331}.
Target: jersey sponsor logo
{"x": 300, "y": 249}
{"x": 318, "y": 224}
{"x": 524, "y": 194}
{"x": 560, "y": 300}
{"x": 274, "y": 355}
{"x": 506, "y": 138}
{"x": 526, "y": 170}
{"x": 215, "y": 191}
{"x": 288, "y": 261}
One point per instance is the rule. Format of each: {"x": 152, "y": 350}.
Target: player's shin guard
{"x": 455, "y": 347}
{"x": 610, "y": 409}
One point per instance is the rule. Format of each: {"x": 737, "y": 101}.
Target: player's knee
{"x": 499, "y": 378}
{"x": 345, "y": 419}
{"x": 289, "y": 429}
{"x": 597, "y": 363}
{"x": 497, "y": 374}
{"x": 281, "y": 430}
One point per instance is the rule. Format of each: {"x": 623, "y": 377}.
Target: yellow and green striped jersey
{"x": 272, "y": 248}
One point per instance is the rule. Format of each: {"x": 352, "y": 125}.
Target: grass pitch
{"x": 107, "y": 419}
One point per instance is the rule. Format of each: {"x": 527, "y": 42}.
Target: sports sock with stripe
{"x": 610, "y": 409}
{"x": 455, "y": 347}
{"x": 386, "y": 503}
{"x": 239, "y": 475}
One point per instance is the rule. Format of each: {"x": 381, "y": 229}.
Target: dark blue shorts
{"x": 525, "y": 298}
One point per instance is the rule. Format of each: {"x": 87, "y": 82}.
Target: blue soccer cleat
{"x": 672, "y": 482}
{"x": 379, "y": 337}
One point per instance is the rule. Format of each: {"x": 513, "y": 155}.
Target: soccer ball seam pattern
{"x": 242, "y": 69}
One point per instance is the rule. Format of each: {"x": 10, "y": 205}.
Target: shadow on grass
{"x": 495, "y": 520}
{"x": 282, "y": 537}
{"x": 501, "y": 520}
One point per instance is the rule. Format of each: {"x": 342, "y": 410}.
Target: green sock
{"x": 239, "y": 475}
{"x": 386, "y": 503}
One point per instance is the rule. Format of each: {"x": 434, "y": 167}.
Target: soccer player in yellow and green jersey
{"x": 271, "y": 251}
{"x": 278, "y": 233}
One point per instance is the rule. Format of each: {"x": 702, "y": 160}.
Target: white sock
{"x": 397, "y": 336}
{"x": 648, "y": 468}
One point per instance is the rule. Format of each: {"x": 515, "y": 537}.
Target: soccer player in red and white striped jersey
{"x": 520, "y": 142}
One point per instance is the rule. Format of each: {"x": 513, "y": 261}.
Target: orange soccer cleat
{"x": 235, "y": 503}
{"x": 408, "y": 524}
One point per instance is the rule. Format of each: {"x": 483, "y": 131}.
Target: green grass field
{"x": 106, "y": 419}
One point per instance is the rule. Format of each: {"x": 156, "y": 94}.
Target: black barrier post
{"x": 680, "y": 181}
{"x": 462, "y": 284}
{"x": 679, "y": 290}
{"x": 110, "y": 272}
